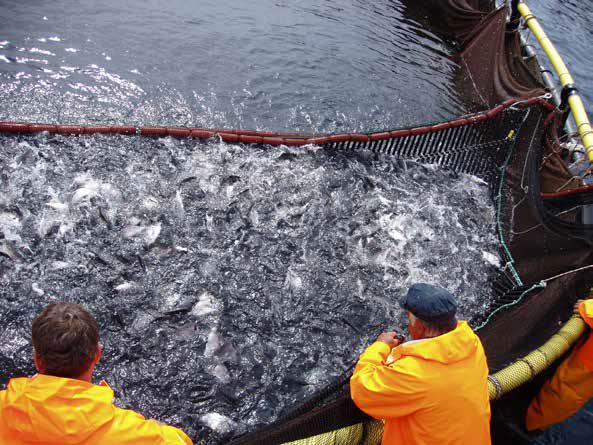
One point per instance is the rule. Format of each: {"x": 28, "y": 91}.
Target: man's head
{"x": 430, "y": 309}
{"x": 66, "y": 341}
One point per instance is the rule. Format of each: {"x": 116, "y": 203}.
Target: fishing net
{"x": 521, "y": 152}
{"x": 517, "y": 147}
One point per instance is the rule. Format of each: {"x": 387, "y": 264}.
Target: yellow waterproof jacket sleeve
{"x": 382, "y": 391}
{"x": 570, "y": 387}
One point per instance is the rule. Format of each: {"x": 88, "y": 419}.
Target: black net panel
{"x": 546, "y": 249}
{"x": 517, "y": 147}
{"x": 485, "y": 148}
{"x": 470, "y": 148}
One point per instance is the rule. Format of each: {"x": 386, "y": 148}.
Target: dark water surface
{"x": 267, "y": 64}
{"x": 230, "y": 282}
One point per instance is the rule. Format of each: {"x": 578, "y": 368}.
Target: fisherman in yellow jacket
{"x": 432, "y": 390}
{"x": 564, "y": 405}
{"x": 60, "y": 405}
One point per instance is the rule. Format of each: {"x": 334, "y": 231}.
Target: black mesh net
{"x": 519, "y": 149}
{"x": 545, "y": 246}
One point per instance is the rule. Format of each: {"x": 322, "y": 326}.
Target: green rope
{"x": 511, "y": 262}
{"x": 540, "y": 285}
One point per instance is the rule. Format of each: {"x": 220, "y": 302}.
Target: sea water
{"x": 230, "y": 281}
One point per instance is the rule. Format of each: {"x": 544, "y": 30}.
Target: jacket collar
{"x": 451, "y": 347}
{"x": 54, "y": 410}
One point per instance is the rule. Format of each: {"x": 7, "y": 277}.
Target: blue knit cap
{"x": 430, "y": 303}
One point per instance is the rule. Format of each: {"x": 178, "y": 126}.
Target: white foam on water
{"x": 10, "y": 226}
{"x": 150, "y": 203}
{"x": 35, "y": 288}
{"x": 59, "y": 265}
{"x": 220, "y": 372}
{"x": 123, "y": 287}
{"x": 491, "y": 258}
{"x": 151, "y": 234}
{"x": 207, "y": 304}
{"x": 41, "y": 51}
{"x": 218, "y": 422}
{"x": 316, "y": 376}
{"x": 213, "y": 344}
{"x": 12, "y": 341}
{"x": 146, "y": 234}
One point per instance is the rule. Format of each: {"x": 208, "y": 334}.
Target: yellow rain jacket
{"x": 433, "y": 391}
{"x": 570, "y": 387}
{"x": 56, "y": 411}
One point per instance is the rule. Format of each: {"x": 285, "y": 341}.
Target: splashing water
{"x": 230, "y": 281}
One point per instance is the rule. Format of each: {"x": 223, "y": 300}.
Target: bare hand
{"x": 391, "y": 339}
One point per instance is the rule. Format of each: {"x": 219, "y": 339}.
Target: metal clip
{"x": 568, "y": 90}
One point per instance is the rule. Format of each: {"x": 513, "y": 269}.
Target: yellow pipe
{"x": 526, "y": 368}
{"x": 372, "y": 434}
{"x": 574, "y": 101}
{"x": 343, "y": 436}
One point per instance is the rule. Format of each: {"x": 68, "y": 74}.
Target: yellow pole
{"x": 574, "y": 101}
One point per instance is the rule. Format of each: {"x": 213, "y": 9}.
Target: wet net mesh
{"x": 518, "y": 148}
{"x": 520, "y": 152}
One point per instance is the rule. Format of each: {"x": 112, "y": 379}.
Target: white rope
{"x": 540, "y": 224}
{"x": 529, "y": 152}
{"x": 590, "y": 266}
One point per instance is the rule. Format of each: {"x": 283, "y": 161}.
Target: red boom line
{"x": 265, "y": 137}
{"x": 570, "y": 192}
{"x": 276, "y": 139}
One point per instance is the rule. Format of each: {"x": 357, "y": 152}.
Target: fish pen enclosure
{"x": 519, "y": 147}
{"x": 513, "y": 144}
